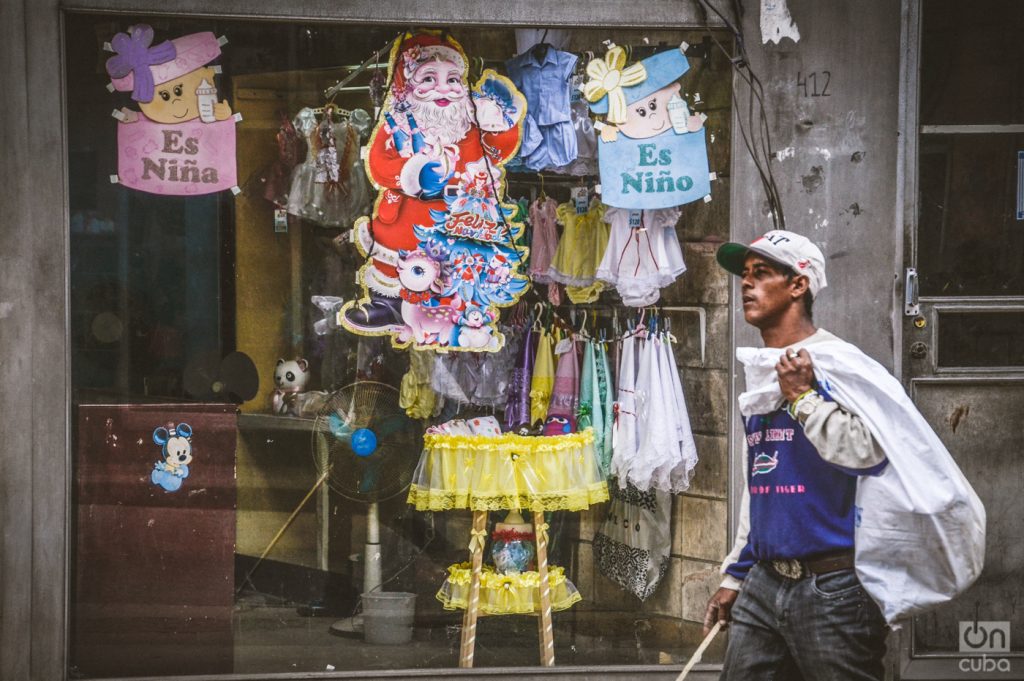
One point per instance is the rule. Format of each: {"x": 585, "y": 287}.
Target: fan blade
{"x": 240, "y": 377}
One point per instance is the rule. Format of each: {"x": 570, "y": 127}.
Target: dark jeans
{"x": 819, "y": 628}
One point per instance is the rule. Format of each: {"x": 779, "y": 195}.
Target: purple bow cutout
{"x": 135, "y": 56}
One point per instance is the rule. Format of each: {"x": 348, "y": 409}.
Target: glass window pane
{"x": 969, "y": 240}
{"x": 972, "y": 63}
{"x": 204, "y": 542}
{"x": 981, "y": 339}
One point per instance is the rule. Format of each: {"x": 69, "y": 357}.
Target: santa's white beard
{"x": 442, "y": 126}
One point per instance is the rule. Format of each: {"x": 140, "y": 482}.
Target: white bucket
{"x": 388, "y": 617}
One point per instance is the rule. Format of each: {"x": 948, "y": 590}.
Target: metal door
{"x": 963, "y": 329}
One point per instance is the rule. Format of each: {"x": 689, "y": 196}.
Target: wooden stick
{"x": 695, "y": 658}
{"x": 284, "y": 527}
{"x": 473, "y": 606}
{"x": 544, "y": 627}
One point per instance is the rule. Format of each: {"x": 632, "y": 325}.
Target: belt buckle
{"x": 791, "y": 569}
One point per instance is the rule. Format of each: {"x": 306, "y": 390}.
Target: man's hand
{"x": 719, "y": 608}
{"x": 796, "y": 373}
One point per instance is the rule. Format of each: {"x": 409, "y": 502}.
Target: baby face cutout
{"x": 176, "y": 101}
{"x": 648, "y": 117}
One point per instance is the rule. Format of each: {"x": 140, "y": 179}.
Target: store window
{"x": 288, "y": 356}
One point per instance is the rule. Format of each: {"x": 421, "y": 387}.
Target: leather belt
{"x": 798, "y": 569}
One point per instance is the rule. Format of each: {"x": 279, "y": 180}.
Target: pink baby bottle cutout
{"x": 206, "y": 93}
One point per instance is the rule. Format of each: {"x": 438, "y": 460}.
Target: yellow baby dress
{"x": 580, "y": 251}
{"x": 415, "y": 395}
{"x": 543, "y": 380}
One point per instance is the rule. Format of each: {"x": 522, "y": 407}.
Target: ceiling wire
{"x": 756, "y": 134}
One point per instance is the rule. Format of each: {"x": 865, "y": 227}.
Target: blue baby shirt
{"x": 549, "y": 138}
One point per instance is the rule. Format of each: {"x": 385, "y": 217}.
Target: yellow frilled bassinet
{"x": 506, "y": 594}
{"x": 513, "y": 472}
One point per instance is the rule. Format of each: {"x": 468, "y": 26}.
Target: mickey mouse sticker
{"x": 176, "y": 442}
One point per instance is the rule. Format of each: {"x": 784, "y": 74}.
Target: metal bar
{"x": 971, "y": 129}
{"x": 372, "y": 59}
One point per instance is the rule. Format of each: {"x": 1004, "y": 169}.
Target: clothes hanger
{"x": 540, "y": 50}
{"x": 538, "y": 310}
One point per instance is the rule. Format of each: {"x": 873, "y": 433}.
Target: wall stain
{"x": 857, "y": 157}
{"x": 854, "y": 208}
{"x": 958, "y": 415}
{"x": 813, "y": 181}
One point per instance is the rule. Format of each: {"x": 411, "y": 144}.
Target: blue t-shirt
{"x": 800, "y": 505}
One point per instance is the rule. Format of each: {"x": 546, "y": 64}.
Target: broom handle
{"x": 695, "y": 658}
{"x": 284, "y": 527}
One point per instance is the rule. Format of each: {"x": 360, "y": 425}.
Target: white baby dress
{"x": 653, "y": 445}
{"x": 641, "y": 259}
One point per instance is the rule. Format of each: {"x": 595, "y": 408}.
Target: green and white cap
{"x": 786, "y": 248}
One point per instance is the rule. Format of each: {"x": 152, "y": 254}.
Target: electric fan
{"x": 367, "y": 448}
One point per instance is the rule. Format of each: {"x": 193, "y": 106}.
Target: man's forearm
{"x": 841, "y": 437}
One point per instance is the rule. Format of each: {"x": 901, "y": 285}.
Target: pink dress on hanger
{"x": 543, "y": 214}
{"x": 545, "y": 238}
{"x": 565, "y": 396}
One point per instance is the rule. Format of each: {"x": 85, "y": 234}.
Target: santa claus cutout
{"x": 440, "y": 244}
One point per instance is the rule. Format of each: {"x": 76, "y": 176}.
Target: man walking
{"x": 854, "y": 514}
{"x": 790, "y": 591}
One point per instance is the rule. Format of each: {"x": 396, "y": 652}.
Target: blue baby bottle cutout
{"x": 176, "y": 444}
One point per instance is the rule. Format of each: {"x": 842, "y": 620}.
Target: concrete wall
{"x": 836, "y": 166}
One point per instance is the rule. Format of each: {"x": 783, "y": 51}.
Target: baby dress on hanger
{"x": 415, "y": 395}
{"x": 604, "y": 406}
{"x": 330, "y": 188}
{"x": 275, "y": 180}
{"x": 624, "y": 442}
{"x": 655, "y": 430}
{"x": 545, "y": 238}
{"x": 542, "y": 74}
{"x": 641, "y": 258}
{"x": 300, "y": 196}
{"x": 543, "y": 379}
{"x": 588, "y": 390}
{"x": 517, "y": 409}
{"x": 565, "y": 395}
{"x": 579, "y": 251}
{"x": 586, "y": 139}
{"x": 681, "y": 471}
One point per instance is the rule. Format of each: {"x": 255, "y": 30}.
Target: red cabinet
{"x": 153, "y": 570}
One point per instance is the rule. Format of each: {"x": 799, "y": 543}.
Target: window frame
{"x": 36, "y": 492}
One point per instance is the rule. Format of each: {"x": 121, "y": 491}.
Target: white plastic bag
{"x": 920, "y": 528}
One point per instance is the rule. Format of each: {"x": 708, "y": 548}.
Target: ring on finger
{"x": 791, "y": 354}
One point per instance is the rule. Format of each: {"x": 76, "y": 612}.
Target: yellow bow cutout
{"x": 476, "y": 540}
{"x": 608, "y": 77}
{"x": 542, "y": 533}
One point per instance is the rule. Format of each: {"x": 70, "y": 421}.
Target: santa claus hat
{"x": 416, "y": 50}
